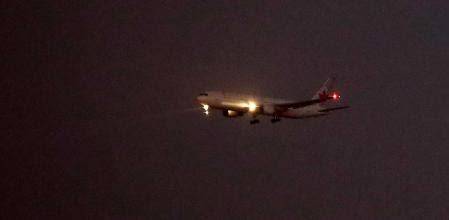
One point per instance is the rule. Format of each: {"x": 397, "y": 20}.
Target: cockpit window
{"x": 203, "y": 94}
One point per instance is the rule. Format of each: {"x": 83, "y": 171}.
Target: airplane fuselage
{"x": 256, "y": 105}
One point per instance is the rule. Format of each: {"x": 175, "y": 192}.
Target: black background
{"x": 100, "y": 119}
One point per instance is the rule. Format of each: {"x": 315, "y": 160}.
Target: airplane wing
{"x": 335, "y": 108}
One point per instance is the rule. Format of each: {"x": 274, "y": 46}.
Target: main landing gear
{"x": 275, "y": 119}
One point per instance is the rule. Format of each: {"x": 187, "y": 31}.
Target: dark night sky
{"x": 98, "y": 121}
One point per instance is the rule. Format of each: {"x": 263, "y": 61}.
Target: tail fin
{"x": 324, "y": 90}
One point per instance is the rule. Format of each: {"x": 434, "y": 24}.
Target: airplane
{"x": 235, "y": 105}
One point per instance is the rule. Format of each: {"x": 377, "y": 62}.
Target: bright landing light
{"x": 206, "y": 108}
{"x": 252, "y": 106}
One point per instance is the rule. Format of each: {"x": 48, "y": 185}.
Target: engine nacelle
{"x": 268, "y": 109}
{"x": 231, "y": 113}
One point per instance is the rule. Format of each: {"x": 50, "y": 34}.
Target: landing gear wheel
{"x": 274, "y": 120}
{"x": 254, "y": 121}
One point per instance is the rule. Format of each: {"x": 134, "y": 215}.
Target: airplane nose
{"x": 200, "y": 98}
